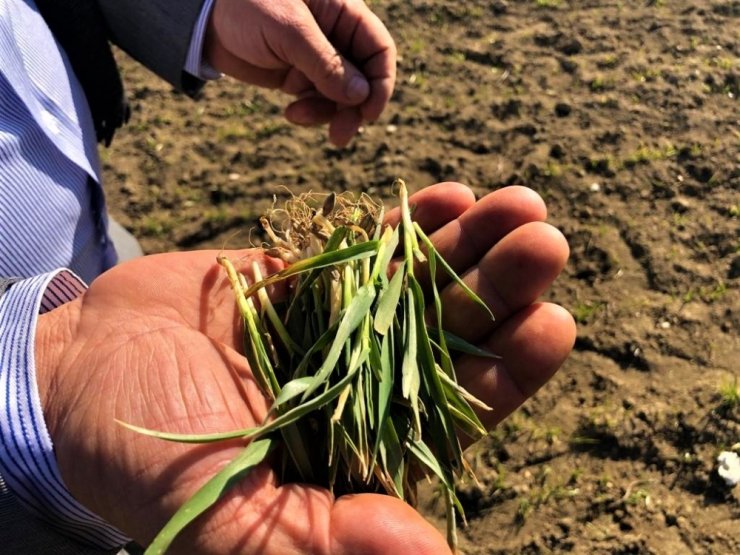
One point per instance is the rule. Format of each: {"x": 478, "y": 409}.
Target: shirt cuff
{"x": 27, "y": 462}
{"x": 195, "y": 65}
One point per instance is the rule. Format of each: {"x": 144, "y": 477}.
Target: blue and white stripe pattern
{"x": 27, "y": 462}
{"x": 194, "y": 63}
{"x": 51, "y": 207}
{"x": 52, "y": 215}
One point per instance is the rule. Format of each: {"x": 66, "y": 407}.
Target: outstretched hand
{"x": 335, "y": 56}
{"x": 154, "y": 342}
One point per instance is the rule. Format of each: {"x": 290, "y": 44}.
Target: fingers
{"x": 513, "y": 274}
{"x": 344, "y": 123}
{"x": 257, "y": 517}
{"x": 533, "y": 343}
{"x": 322, "y": 57}
{"x": 374, "y": 51}
{"x": 336, "y": 52}
{"x": 372, "y": 524}
{"x": 306, "y": 47}
{"x": 236, "y": 67}
{"x": 464, "y": 241}
{"x": 360, "y": 36}
{"x": 310, "y": 110}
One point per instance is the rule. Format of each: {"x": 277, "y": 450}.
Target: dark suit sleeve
{"x": 156, "y": 33}
{"x": 22, "y": 533}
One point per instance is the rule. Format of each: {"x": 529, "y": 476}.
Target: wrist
{"x": 212, "y": 47}
{"x": 196, "y": 62}
{"x": 30, "y": 324}
{"x": 55, "y": 332}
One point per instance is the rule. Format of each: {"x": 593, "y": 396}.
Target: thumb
{"x": 307, "y": 48}
{"x": 373, "y": 524}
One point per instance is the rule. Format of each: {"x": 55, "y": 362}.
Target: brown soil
{"x": 623, "y": 115}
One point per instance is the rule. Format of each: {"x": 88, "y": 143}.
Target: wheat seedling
{"x": 353, "y": 359}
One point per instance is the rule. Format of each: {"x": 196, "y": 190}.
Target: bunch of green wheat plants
{"x": 353, "y": 359}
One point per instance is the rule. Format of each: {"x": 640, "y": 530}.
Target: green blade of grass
{"x": 445, "y": 360}
{"x": 360, "y": 425}
{"x": 392, "y": 459}
{"x": 468, "y": 291}
{"x": 349, "y": 442}
{"x": 411, "y": 243}
{"x": 255, "y": 350}
{"x": 466, "y": 424}
{"x": 353, "y": 316}
{"x": 410, "y": 380}
{"x": 445, "y": 437}
{"x": 284, "y": 419}
{"x": 424, "y": 455}
{"x": 291, "y": 390}
{"x": 384, "y": 388}
{"x": 332, "y": 244}
{"x": 388, "y": 244}
{"x": 451, "y": 520}
{"x": 318, "y": 345}
{"x": 252, "y": 455}
{"x": 371, "y": 411}
{"x": 374, "y": 360}
{"x": 388, "y": 302}
{"x": 355, "y": 252}
{"x": 272, "y": 315}
{"x": 295, "y": 443}
{"x": 333, "y": 451}
{"x": 455, "y": 343}
{"x": 379, "y": 223}
{"x": 460, "y": 391}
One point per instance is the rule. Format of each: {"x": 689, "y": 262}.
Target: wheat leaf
{"x": 252, "y": 455}
{"x": 353, "y": 316}
{"x": 468, "y": 291}
{"x": 388, "y": 302}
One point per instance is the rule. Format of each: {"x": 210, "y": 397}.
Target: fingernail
{"x": 357, "y": 89}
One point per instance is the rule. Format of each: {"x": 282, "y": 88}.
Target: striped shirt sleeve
{"x": 27, "y": 464}
{"x": 195, "y": 65}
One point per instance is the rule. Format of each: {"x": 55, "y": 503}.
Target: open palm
{"x": 154, "y": 342}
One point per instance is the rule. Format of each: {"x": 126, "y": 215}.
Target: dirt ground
{"x": 624, "y": 116}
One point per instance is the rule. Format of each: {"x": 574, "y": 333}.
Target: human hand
{"x": 336, "y": 56}
{"x": 155, "y": 342}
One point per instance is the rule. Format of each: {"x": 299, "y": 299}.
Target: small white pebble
{"x": 234, "y": 176}
{"x": 680, "y": 178}
{"x": 664, "y": 325}
{"x": 390, "y": 129}
{"x": 594, "y": 187}
{"x": 729, "y": 468}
